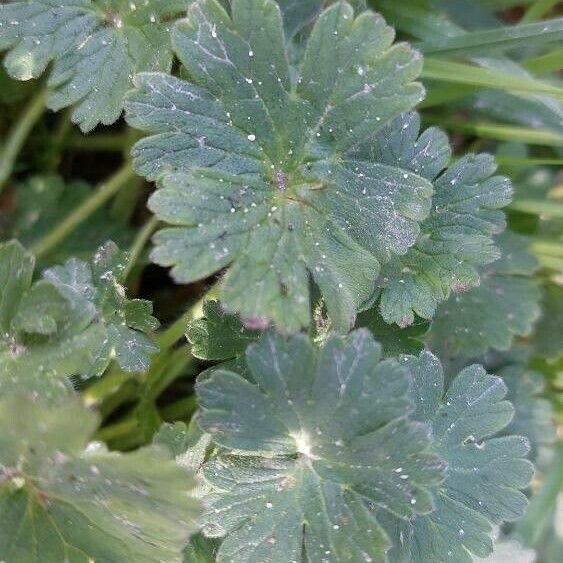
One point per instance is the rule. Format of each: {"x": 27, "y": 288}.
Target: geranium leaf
{"x": 457, "y": 235}
{"x": 63, "y": 499}
{"x": 485, "y": 471}
{"x": 74, "y": 320}
{"x": 505, "y": 304}
{"x": 96, "y": 46}
{"x": 219, "y": 335}
{"x": 257, "y": 169}
{"x": 309, "y": 444}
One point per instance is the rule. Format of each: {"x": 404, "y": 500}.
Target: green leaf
{"x": 504, "y": 305}
{"x": 485, "y": 471}
{"x": 309, "y": 445}
{"x": 497, "y": 78}
{"x": 483, "y": 42}
{"x": 96, "y": 46}
{"x": 457, "y": 235}
{"x": 44, "y": 201}
{"x": 548, "y": 339}
{"x": 393, "y": 339}
{"x": 297, "y": 14}
{"x": 73, "y": 321}
{"x": 257, "y": 170}
{"x": 533, "y": 415}
{"x": 65, "y": 499}
{"x": 218, "y": 335}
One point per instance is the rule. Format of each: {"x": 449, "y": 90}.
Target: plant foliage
{"x": 347, "y": 216}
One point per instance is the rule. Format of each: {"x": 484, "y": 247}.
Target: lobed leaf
{"x": 74, "y": 320}
{"x": 457, "y": 235}
{"x": 95, "y": 47}
{"x": 63, "y": 498}
{"x": 218, "y": 335}
{"x": 505, "y": 304}
{"x": 257, "y": 169}
{"x": 310, "y": 441}
{"x": 485, "y": 471}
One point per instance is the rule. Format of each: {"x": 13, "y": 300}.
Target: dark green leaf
{"x": 218, "y": 335}
{"x": 96, "y": 46}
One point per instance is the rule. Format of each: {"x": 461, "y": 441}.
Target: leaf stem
{"x": 65, "y": 228}
{"x": 139, "y": 244}
{"x": 19, "y": 133}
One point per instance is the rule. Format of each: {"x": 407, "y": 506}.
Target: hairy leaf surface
{"x": 485, "y": 472}
{"x": 257, "y": 167}
{"x": 74, "y": 320}
{"x": 65, "y": 499}
{"x": 310, "y": 443}
{"x": 96, "y": 46}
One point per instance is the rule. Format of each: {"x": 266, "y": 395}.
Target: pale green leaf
{"x": 74, "y": 320}
{"x": 63, "y": 499}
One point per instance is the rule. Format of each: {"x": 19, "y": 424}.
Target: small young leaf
{"x": 506, "y": 304}
{"x": 73, "y": 321}
{"x": 257, "y": 170}
{"x": 63, "y": 499}
{"x": 484, "y": 473}
{"x": 310, "y": 445}
{"x": 96, "y": 46}
{"x": 219, "y": 335}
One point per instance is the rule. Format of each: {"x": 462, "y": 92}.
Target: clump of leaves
{"x": 74, "y": 321}
{"x": 318, "y": 446}
{"x": 291, "y": 170}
